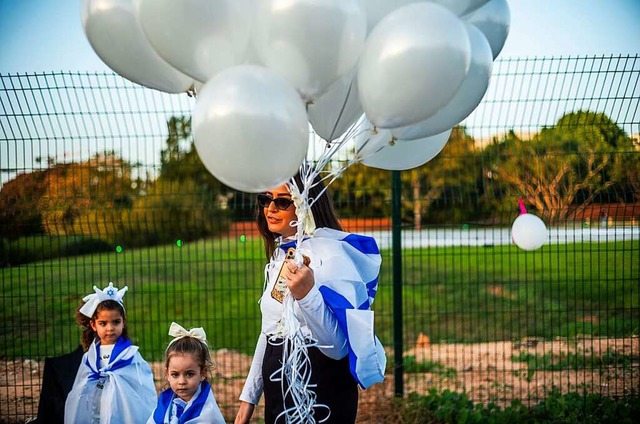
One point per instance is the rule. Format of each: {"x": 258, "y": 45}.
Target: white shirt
{"x": 105, "y": 355}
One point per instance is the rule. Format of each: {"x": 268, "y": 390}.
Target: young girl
{"x": 113, "y": 384}
{"x": 187, "y": 365}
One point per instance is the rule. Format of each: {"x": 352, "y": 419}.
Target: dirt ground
{"x": 485, "y": 371}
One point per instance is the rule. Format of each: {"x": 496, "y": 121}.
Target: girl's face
{"x": 184, "y": 374}
{"x": 108, "y": 325}
{"x": 279, "y": 220}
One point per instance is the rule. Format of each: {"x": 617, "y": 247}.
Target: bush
{"x": 451, "y": 407}
{"x": 39, "y": 248}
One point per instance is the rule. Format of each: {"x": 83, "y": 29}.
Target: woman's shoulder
{"x": 363, "y": 243}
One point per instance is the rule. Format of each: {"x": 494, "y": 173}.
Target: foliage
{"x": 411, "y": 365}
{"x": 85, "y": 198}
{"x": 39, "y": 248}
{"x": 173, "y": 210}
{"x": 452, "y": 407}
{"x": 362, "y": 191}
{"x": 19, "y": 198}
{"x": 180, "y": 164}
{"x": 584, "y": 158}
{"x": 570, "y": 162}
{"x": 445, "y": 184}
{"x": 555, "y": 362}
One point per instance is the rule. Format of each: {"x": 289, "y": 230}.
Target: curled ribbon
{"x": 94, "y": 299}
{"x": 179, "y": 332}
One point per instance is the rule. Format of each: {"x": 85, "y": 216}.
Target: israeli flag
{"x": 346, "y": 267}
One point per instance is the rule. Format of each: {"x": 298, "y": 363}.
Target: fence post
{"x": 396, "y": 249}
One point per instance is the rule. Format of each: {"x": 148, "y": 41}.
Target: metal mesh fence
{"x": 100, "y": 183}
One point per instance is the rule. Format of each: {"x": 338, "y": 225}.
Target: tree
{"x": 86, "y": 198}
{"x": 446, "y": 180}
{"x": 558, "y": 163}
{"x": 185, "y": 202}
{"x": 362, "y": 190}
{"x": 19, "y": 199}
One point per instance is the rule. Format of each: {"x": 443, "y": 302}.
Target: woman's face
{"x": 279, "y": 220}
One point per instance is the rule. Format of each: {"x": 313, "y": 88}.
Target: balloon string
{"x": 344, "y": 105}
{"x": 523, "y": 210}
{"x": 296, "y": 371}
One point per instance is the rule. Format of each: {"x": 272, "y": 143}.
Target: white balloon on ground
{"x": 250, "y": 128}
{"x": 116, "y": 36}
{"x": 407, "y": 154}
{"x": 337, "y": 109}
{"x": 494, "y": 20}
{"x": 466, "y": 99}
{"x": 529, "y": 232}
{"x": 412, "y": 64}
{"x": 198, "y": 37}
{"x": 312, "y": 43}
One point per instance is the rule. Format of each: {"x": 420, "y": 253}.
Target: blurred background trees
{"x": 584, "y": 159}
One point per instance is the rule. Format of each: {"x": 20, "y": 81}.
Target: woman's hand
{"x": 244, "y": 413}
{"x": 299, "y": 280}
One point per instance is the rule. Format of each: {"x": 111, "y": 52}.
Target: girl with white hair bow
{"x": 187, "y": 366}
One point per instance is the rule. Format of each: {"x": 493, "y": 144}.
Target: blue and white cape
{"x": 203, "y": 409}
{"x": 346, "y": 268}
{"x": 121, "y": 392}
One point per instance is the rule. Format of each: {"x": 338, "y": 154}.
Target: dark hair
{"x": 323, "y": 213}
{"x": 194, "y": 347}
{"x": 88, "y": 335}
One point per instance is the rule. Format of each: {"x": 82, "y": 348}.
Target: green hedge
{"x": 39, "y": 248}
{"x": 452, "y": 407}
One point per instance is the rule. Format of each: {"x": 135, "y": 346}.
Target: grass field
{"x": 452, "y": 294}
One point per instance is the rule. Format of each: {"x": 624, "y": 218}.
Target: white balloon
{"x": 375, "y": 10}
{"x": 378, "y": 9}
{"x": 494, "y": 20}
{"x": 198, "y": 37}
{"x": 407, "y": 154}
{"x": 250, "y": 128}
{"x": 412, "y": 64}
{"x": 312, "y": 43}
{"x": 460, "y": 7}
{"x": 116, "y": 36}
{"x": 467, "y": 97}
{"x": 529, "y": 232}
{"x": 337, "y": 109}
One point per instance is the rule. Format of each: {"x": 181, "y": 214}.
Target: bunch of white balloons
{"x": 407, "y": 70}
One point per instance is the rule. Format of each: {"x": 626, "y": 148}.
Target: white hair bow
{"x": 94, "y": 299}
{"x": 178, "y": 332}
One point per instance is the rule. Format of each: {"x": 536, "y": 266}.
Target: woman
{"x": 339, "y": 269}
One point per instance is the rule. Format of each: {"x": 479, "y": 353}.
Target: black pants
{"x": 335, "y": 388}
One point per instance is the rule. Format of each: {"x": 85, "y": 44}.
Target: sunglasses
{"x": 282, "y": 203}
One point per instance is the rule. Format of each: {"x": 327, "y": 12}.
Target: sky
{"x": 47, "y": 35}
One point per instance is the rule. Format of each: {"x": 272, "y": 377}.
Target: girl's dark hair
{"x": 194, "y": 347}
{"x": 324, "y": 214}
{"x": 88, "y": 335}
